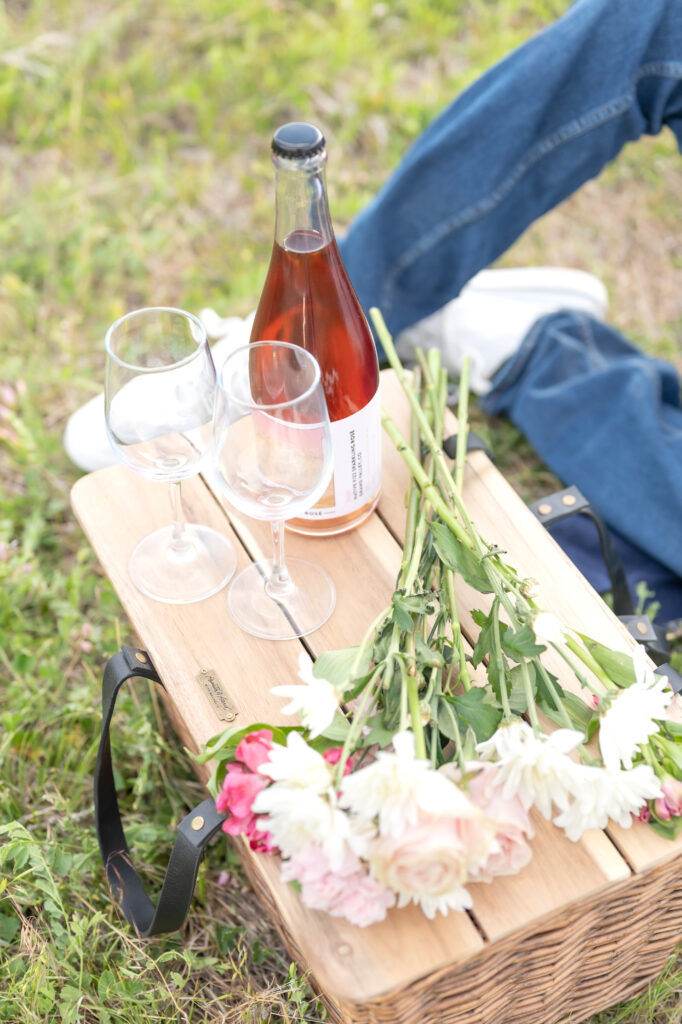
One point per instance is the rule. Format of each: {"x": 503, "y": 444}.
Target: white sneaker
{"x": 85, "y": 438}
{"x": 493, "y": 313}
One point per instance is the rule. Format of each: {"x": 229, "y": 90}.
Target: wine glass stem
{"x": 179, "y": 542}
{"x": 279, "y": 584}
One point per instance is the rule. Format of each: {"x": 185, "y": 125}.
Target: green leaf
{"x": 473, "y": 710}
{"x": 401, "y": 615}
{"x": 518, "y": 699}
{"x": 544, "y": 694}
{"x": 337, "y": 666}
{"x": 484, "y": 642}
{"x": 428, "y": 655}
{"x": 338, "y": 728}
{"x": 617, "y": 665}
{"x": 457, "y": 556}
{"x": 521, "y": 643}
{"x": 378, "y": 733}
{"x": 479, "y": 617}
{"x": 667, "y": 829}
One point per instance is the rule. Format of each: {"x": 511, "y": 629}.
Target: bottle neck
{"x": 302, "y": 219}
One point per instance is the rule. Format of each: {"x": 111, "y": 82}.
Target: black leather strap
{"x": 193, "y": 832}
{"x": 570, "y": 502}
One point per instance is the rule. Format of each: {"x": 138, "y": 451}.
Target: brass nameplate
{"x": 216, "y": 693}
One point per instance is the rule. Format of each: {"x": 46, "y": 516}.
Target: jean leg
{"x": 521, "y": 139}
{"x": 606, "y": 417}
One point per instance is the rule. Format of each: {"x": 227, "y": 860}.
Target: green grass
{"x": 134, "y": 170}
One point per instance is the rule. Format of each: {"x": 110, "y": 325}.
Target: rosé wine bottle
{"x": 308, "y": 300}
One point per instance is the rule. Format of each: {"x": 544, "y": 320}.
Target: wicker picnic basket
{"x": 581, "y": 927}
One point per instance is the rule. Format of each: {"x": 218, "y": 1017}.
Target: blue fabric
{"x": 579, "y": 538}
{"x": 519, "y": 140}
{"x": 606, "y": 417}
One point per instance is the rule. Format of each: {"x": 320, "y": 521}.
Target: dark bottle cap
{"x": 297, "y": 140}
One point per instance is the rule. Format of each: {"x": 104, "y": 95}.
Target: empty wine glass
{"x": 273, "y": 460}
{"x": 159, "y": 395}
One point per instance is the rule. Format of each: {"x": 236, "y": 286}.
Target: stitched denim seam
{"x": 571, "y": 130}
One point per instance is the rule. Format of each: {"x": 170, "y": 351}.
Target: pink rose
{"x": 254, "y": 749}
{"x": 511, "y": 821}
{"x": 346, "y": 892}
{"x": 429, "y": 859}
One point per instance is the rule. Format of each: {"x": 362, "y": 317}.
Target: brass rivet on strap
{"x": 544, "y": 509}
{"x": 569, "y": 499}
{"x": 198, "y": 823}
{"x": 140, "y": 657}
{"x": 641, "y": 628}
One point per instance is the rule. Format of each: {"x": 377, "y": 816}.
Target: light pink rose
{"x": 429, "y": 859}
{"x": 511, "y": 821}
{"x": 672, "y": 794}
{"x": 254, "y": 749}
{"x": 346, "y": 892}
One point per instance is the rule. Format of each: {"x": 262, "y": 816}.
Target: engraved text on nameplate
{"x": 216, "y": 693}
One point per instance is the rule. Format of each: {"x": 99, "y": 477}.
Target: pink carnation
{"x": 254, "y": 749}
{"x": 513, "y": 824}
{"x": 346, "y": 892}
{"x": 333, "y": 756}
{"x": 240, "y": 788}
{"x": 672, "y": 795}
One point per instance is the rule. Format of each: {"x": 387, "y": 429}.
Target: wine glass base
{"x": 201, "y": 567}
{"x": 304, "y": 610}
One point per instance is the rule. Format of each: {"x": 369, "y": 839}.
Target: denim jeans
{"x": 518, "y": 141}
{"x": 607, "y": 418}
{"x": 521, "y": 139}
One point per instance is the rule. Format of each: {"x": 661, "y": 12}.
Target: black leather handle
{"x": 193, "y": 833}
{"x": 570, "y": 502}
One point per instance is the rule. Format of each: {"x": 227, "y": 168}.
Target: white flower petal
{"x": 632, "y": 717}
{"x": 537, "y": 769}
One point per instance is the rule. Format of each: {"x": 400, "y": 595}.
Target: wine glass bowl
{"x": 159, "y": 395}
{"x": 273, "y": 460}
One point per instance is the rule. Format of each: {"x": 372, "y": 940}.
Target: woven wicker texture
{"x": 565, "y": 968}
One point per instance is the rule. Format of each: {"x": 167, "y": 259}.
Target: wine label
{"x": 356, "y": 442}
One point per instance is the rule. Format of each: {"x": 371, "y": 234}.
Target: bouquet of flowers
{"x": 408, "y": 779}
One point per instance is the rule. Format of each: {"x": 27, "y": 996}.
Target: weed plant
{"x": 134, "y": 170}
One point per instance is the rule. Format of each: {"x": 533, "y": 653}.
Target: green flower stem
{"x": 580, "y": 676}
{"x": 530, "y": 697}
{"x": 462, "y": 425}
{"x": 427, "y": 487}
{"x": 368, "y": 640}
{"x": 587, "y": 660}
{"x": 370, "y": 695}
{"x": 467, "y": 534}
{"x": 499, "y": 661}
{"x": 413, "y": 700}
{"x": 556, "y": 699}
{"x": 457, "y": 638}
